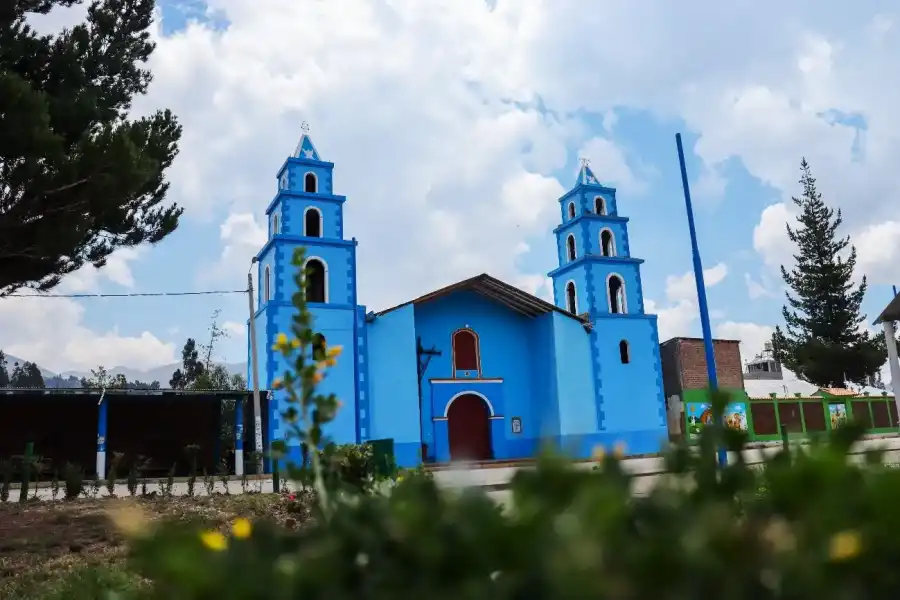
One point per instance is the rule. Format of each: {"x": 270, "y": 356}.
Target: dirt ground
{"x": 44, "y": 544}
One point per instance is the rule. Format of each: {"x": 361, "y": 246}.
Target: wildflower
{"x": 292, "y": 497}
{"x": 619, "y": 450}
{"x": 295, "y": 343}
{"x": 214, "y": 540}
{"x": 277, "y": 383}
{"x": 318, "y": 377}
{"x": 598, "y": 453}
{"x": 330, "y": 362}
{"x": 334, "y": 351}
{"x": 844, "y": 546}
{"x": 281, "y": 343}
{"x": 241, "y": 528}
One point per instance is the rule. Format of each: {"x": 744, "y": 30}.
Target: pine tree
{"x": 4, "y": 373}
{"x": 78, "y": 178}
{"x": 823, "y": 341}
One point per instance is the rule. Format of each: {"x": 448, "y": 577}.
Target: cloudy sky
{"x": 455, "y": 124}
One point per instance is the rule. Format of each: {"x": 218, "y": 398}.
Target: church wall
{"x": 323, "y": 171}
{"x": 578, "y": 276}
{"x": 633, "y": 405}
{"x": 575, "y": 383}
{"x": 544, "y": 376}
{"x": 393, "y": 385}
{"x": 506, "y": 346}
{"x": 337, "y": 326}
{"x": 338, "y": 262}
{"x": 619, "y": 231}
{"x": 628, "y": 271}
{"x": 294, "y": 209}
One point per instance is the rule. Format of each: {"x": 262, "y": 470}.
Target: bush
{"x": 807, "y": 526}
{"x": 73, "y": 476}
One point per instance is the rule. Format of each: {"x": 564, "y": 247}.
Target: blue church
{"x": 479, "y": 370}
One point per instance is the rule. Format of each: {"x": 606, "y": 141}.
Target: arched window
{"x": 571, "y": 299}
{"x": 274, "y": 223}
{"x": 316, "y": 281}
{"x": 466, "y": 354}
{"x": 624, "y": 354}
{"x": 571, "y": 210}
{"x": 312, "y": 222}
{"x": 570, "y": 247}
{"x": 607, "y": 243}
{"x": 267, "y": 282}
{"x": 616, "y": 290}
{"x": 319, "y": 347}
{"x": 599, "y": 205}
{"x": 310, "y": 183}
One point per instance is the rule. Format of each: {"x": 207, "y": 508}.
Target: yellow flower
{"x": 214, "y": 540}
{"x": 317, "y": 378}
{"x": 281, "y": 343}
{"x": 844, "y": 546}
{"x": 295, "y": 343}
{"x": 277, "y": 383}
{"x": 598, "y": 453}
{"x": 619, "y": 450}
{"x": 241, "y": 528}
{"x": 330, "y": 362}
{"x": 334, "y": 351}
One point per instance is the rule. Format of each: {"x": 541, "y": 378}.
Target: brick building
{"x": 684, "y": 369}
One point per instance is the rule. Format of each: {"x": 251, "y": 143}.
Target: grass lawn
{"x": 71, "y": 549}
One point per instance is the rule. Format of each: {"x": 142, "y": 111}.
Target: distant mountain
{"x": 162, "y": 374}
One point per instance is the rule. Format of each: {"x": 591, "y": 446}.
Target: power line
{"x": 131, "y": 295}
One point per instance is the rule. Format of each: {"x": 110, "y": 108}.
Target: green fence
{"x": 800, "y": 416}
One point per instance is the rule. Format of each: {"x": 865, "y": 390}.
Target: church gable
{"x": 495, "y": 290}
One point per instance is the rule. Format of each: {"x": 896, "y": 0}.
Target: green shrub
{"x": 73, "y": 476}
{"x": 808, "y": 526}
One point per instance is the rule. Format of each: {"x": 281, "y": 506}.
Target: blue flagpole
{"x": 701, "y": 287}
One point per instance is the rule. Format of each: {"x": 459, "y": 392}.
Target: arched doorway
{"x": 469, "y": 428}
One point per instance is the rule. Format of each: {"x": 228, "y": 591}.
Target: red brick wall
{"x": 684, "y": 364}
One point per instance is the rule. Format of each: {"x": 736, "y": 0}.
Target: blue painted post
{"x": 701, "y": 287}
{"x": 102, "y": 410}
{"x": 239, "y": 436}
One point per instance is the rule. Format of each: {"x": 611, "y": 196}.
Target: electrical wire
{"x": 131, "y": 295}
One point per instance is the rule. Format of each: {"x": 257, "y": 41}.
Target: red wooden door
{"x": 469, "y": 429}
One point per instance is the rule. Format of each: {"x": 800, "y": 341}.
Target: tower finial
{"x": 304, "y": 127}
{"x": 585, "y": 162}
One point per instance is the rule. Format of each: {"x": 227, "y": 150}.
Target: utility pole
{"x": 254, "y": 372}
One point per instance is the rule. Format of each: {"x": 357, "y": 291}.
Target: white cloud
{"x": 756, "y": 289}
{"x": 116, "y": 270}
{"x": 233, "y": 327}
{"x": 50, "y": 331}
{"x": 242, "y": 237}
{"x": 609, "y": 164}
{"x": 751, "y": 335}
{"x": 677, "y": 317}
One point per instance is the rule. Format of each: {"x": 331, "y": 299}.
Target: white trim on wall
{"x": 570, "y": 256}
{"x": 602, "y": 210}
{"x": 267, "y": 284}
{"x": 570, "y": 210}
{"x": 575, "y": 294}
{"x": 315, "y": 179}
{"x": 624, "y": 307}
{"x": 325, "y": 268}
{"x": 321, "y": 222}
{"x": 480, "y": 395}
{"x": 612, "y": 236}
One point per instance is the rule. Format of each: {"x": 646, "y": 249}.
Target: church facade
{"x": 478, "y": 370}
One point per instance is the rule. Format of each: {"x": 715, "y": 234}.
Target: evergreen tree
{"x": 26, "y": 375}
{"x": 191, "y": 367}
{"x": 77, "y": 178}
{"x": 823, "y": 341}
{"x": 4, "y": 373}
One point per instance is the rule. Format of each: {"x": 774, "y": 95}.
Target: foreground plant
{"x": 809, "y": 526}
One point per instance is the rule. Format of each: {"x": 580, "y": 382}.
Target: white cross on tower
{"x": 304, "y": 127}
